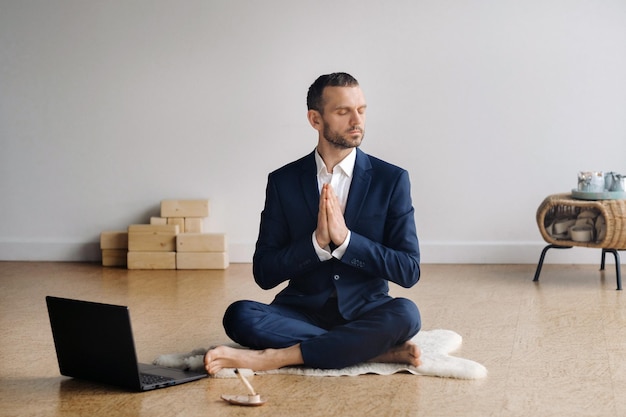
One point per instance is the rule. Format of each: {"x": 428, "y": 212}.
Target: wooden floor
{"x": 553, "y": 348}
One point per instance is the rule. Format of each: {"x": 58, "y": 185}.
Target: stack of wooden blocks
{"x": 173, "y": 241}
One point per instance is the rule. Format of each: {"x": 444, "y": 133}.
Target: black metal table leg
{"x": 618, "y": 274}
{"x": 543, "y": 255}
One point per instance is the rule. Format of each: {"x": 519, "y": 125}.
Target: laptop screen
{"x": 94, "y": 341}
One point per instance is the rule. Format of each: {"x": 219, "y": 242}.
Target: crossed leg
{"x": 263, "y": 360}
{"x": 294, "y": 341}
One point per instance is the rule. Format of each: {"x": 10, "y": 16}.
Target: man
{"x": 337, "y": 225}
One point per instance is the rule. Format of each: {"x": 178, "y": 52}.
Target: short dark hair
{"x": 314, "y": 99}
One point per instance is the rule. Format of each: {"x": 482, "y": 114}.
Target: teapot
{"x": 614, "y": 181}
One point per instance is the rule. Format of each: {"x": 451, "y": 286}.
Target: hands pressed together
{"x": 331, "y": 226}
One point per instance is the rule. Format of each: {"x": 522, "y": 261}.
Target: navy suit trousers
{"x": 327, "y": 340}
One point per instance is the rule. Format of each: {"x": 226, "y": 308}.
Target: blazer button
{"x": 336, "y": 277}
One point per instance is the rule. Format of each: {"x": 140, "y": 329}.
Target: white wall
{"x": 108, "y": 107}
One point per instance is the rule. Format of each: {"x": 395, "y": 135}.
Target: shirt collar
{"x": 346, "y": 164}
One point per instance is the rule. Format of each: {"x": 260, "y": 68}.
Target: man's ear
{"x": 315, "y": 118}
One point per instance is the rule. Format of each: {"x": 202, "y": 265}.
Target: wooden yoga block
{"x": 193, "y": 225}
{"x": 185, "y": 208}
{"x": 179, "y": 221}
{"x": 158, "y": 220}
{"x": 114, "y": 240}
{"x": 152, "y": 238}
{"x": 202, "y": 260}
{"x": 151, "y": 260}
{"x": 201, "y": 242}
{"x": 114, "y": 257}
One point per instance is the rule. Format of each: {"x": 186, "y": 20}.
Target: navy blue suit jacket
{"x": 383, "y": 245}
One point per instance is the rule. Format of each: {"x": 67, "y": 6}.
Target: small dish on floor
{"x": 246, "y": 400}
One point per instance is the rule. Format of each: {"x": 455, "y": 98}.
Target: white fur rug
{"x": 436, "y": 361}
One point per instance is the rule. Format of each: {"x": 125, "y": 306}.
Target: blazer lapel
{"x": 308, "y": 184}
{"x": 361, "y": 179}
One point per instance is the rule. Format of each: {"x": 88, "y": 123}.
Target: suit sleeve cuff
{"x": 322, "y": 253}
{"x": 341, "y": 250}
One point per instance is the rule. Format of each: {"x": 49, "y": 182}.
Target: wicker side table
{"x": 613, "y": 212}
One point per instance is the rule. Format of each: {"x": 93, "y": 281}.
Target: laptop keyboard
{"x": 149, "y": 379}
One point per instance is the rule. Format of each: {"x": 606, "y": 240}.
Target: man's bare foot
{"x": 408, "y": 353}
{"x": 258, "y": 360}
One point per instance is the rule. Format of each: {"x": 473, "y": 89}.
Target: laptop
{"x": 94, "y": 342}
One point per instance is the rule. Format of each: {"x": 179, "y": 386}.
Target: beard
{"x": 344, "y": 140}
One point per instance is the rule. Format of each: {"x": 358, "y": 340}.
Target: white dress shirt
{"x": 340, "y": 179}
